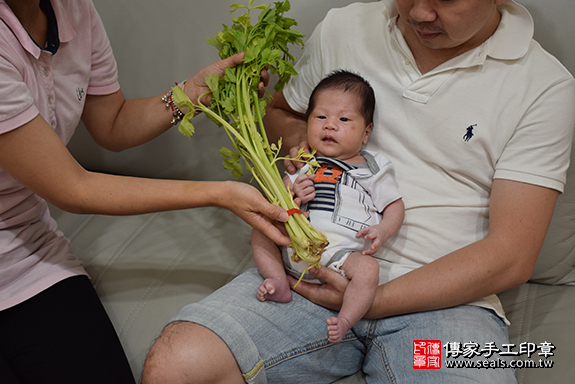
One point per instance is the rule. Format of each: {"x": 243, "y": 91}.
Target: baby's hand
{"x": 304, "y": 188}
{"x": 287, "y": 182}
{"x": 293, "y": 166}
{"x": 375, "y": 235}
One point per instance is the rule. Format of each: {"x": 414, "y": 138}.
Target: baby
{"x": 352, "y": 198}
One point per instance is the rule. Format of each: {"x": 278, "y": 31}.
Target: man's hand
{"x": 329, "y": 295}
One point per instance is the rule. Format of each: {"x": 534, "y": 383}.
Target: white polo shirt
{"x": 33, "y": 253}
{"x": 501, "y": 110}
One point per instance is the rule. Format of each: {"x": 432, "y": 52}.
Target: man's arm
{"x": 281, "y": 121}
{"x": 519, "y": 218}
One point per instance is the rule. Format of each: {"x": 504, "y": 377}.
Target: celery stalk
{"x": 235, "y": 106}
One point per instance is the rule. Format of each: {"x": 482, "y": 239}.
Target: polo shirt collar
{"x": 513, "y": 37}
{"x": 65, "y": 30}
{"x": 390, "y": 11}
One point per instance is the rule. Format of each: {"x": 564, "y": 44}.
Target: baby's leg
{"x": 268, "y": 259}
{"x": 363, "y": 274}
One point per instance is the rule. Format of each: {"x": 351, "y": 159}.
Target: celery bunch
{"x": 236, "y": 107}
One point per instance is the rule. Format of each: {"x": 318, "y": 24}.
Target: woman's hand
{"x": 265, "y": 79}
{"x": 329, "y": 295}
{"x": 196, "y": 85}
{"x": 251, "y": 206}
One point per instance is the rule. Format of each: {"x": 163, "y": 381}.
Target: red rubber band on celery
{"x": 293, "y": 211}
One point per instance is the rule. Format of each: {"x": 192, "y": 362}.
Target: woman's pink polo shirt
{"x": 33, "y": 254}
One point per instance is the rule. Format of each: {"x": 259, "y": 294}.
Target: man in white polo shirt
{"x": 478, "y": 121}
{"x": 450, "y": 129}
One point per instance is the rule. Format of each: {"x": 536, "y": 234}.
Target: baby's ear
{"x": 367, "y": 133}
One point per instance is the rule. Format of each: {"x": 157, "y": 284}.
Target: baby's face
{"x": 336, "y": 127}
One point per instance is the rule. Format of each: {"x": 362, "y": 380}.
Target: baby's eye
{"x": 321, "y": 117}
{"x": 343, "y": 119}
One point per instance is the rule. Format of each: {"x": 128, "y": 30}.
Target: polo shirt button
{"x": 406, "y": 61}
{"x": 50, "y": 100}
{"x": 46, "y": 71}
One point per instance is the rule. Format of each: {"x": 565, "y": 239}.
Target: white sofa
{"x": 145, "y": 268}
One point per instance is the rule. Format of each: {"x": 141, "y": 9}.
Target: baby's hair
{"x": 347, "y": 82}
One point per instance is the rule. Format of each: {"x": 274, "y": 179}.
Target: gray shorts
{"x": 287, "y": 342}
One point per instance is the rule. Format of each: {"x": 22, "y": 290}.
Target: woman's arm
{"x": 116, "y": 123}
{"x": 36, "y": 157}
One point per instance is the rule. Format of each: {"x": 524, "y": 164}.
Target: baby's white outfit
{"x": 349, "y": 197}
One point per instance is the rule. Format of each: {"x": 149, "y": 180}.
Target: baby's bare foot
{"x": 274, "y": 289}
{"x": 336, "y": 329}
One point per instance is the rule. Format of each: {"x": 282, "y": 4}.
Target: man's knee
{"x": 185, "y": 352}
{"x": 165, "y": 355}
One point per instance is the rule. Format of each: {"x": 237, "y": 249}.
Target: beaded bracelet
{"x": 168, "y": 98}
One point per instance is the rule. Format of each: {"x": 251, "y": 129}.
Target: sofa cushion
{"x": 542, "y": 313}
{"x": 145, "y": 268}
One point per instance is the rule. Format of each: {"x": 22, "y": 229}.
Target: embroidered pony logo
{"x": 469, "y": 133}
